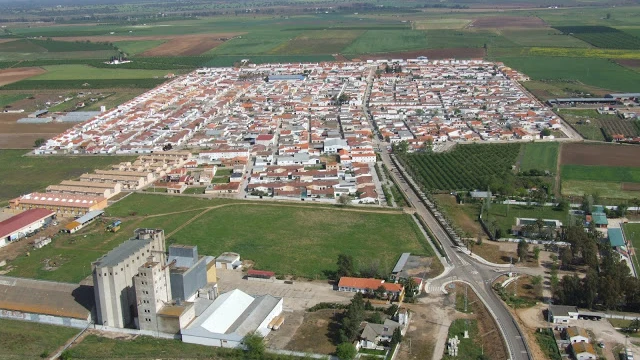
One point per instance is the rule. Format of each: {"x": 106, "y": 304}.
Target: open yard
{"x": 24, "y": 174}
{"x": 302, "y": 240}
{"x": 26, "y": 340}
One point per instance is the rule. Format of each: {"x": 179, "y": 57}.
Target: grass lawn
{"x": 144, "y": 204}
{"x": 195, "y": 190}
{"x": 224, "y": 171}
{"x": 464, "y": 216}
{"x": 505, "y": 215}
{"x": 84, "y": 72}
{"x": 468, "y": 349}
{"x": 540, "y": 156}
{"x": 591, "y": 71}
{"x": 27, "y": 340}
{"x": 25, "y": 174}
{"x": 601, "y": 173}
{"x": 606, "y": 189}
{"x": 220, "y": 180}
{"x": 145, "y": 347}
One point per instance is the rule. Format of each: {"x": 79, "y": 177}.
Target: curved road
{"x": 461, "y": 266}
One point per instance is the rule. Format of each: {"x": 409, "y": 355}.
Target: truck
{"x": 114, "y": 226}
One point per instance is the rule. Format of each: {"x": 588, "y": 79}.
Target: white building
{"x": 561, "y": 314}
{"x": 230, "y": 317}
{"x": 19, "y": 226}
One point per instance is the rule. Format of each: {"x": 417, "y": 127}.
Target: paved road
{"x": 461, "y": 267}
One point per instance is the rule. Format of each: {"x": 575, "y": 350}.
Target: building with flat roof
{"x": 113, "y": 276}
{"x": 19, "y": 226}
{"x": 153, "y": 291}
{"x": 561, "y": 314}
{"x": 188, "y": 271}
{"x": 45, "y": 301}
{"x": 234, "y": 314}
{"x": 64, "y": 205}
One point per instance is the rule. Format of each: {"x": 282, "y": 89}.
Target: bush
{"x": 346, "y": 351}
{"x": 326, "y": 305}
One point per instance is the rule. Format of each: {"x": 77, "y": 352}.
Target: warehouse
{"x": 127, "y": 182}
{"x": 230, "y": 317}
{"x": 21, "y": 225}
{"x": 64, "y": 205}
{"x": 87, "y": 191}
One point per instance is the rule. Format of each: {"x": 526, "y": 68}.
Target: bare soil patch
{"x": 600, "y": 155}
{"x": 458, "y": 53}
{"x": 314, "y": 334}
{"x": 23, "y": 136}
{"x": 9, "y": 76}
{"x": 632, "y": 63}
{"x": 187, "y": 45}
{"x": 341, "y": 58}
{"x": 494, "y": 22}
{"x": 631, "y": 186}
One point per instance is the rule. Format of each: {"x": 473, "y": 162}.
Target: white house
{"x": 561, "y": 314}
{"x": 583, "y": 351}
{"x": 576, "y": 335}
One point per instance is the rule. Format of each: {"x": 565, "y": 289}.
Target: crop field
{"x": 16, "y": 169}
{"x": 547, "y": 37}
{"x": 83, "y": 72}
{"x": 134, "y": 47}
{"x": 581, "y": 52}
{"x": 600, "y": 155}
{"x": 539, "y": 156}
{"x": 594, "y": 126}
{"x": 7, "y": 99}
{"x": 601, "y": 173}
{"x": 68, "y": 46}
{"x": 442, "y": 23}
{"x": 505, "y": 21}
{"x": 601, "y": 73}
{"x": 27, "y": 340}
{"x": 630, "y": 63}
{"x": 254, "y": 43}
{"x": 466, "y": 167}
{"x": 602, "y": 36}
{"x": 318, "y": 42}
{"x": 21, "y": 46}
{"x": 381, "y": 41}
{"x": 187, "y": 45}
{"x": 608, "y": 190}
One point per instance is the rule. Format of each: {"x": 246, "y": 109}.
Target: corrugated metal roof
{"x": 21, "y": 220}
{"x": 89, "y": 216}
{"x": 401, "y": 262}
{"x": 615, "y": 237}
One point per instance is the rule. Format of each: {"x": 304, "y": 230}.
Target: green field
{"x": 147, "y": 348}
{"x": 543, "y": 38}
{"x": 318, "y": 42}
{"x": 601, "y": 173}
{"x": 24, "y": 174}
{"x": 632, "y": 234}
{"x": 610, "y": 190}
{"x": 262, "y": 42}
{"x": 602, "y": 36}
{"x": 21, "y": 46}
{"x": 7, "y": 99}
{"x": 310, "y": 236}
{"x": 540, "y": 156}
{"x": 380, "y": 41}
{"x": 137, "y": 46}
{"x": 83, "y": 72}
{"x": 27, "y": 340}
{"x": 70, "y": 46}
{"x": 505, "y": 216}
{"x": 468, "y": 349}
{"x": 591, "y": 71}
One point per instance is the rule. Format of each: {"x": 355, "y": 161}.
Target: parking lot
{"x": 297, "y": 296}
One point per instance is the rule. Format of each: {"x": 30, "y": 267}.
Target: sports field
{"x": 302, "y": 240}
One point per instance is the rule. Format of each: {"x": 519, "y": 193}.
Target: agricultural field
{"x": 262, "y": 42}
{"x": 602, "y": 36}
{"x": 612, "y": 171}
{"x": 8, "y": 99}
{"x": 318, "y": 42}
{"x": 504, "y": 216}
{"x": 16, "y": 169}
{"x": 594, "y": 126}
{"x": 83, "y": 72}
{"x": 382, "y": 41}
{"x": 134, "y": 47}
{"x": 27, "y": 340}
{"x": 311, "y": 253}
{"x": 596, "y": 72}
{"x": 539, "y": 156}
{"x": 466, "y": 167}
{"x": 546, "y": 37}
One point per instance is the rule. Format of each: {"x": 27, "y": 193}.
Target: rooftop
{"x": 21, "y": 220}
{"x": 615, "y": 237}
{"x": 120, "y": 253}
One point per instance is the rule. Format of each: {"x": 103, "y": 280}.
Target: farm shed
{"x": 82, "y": 221}
{"x": 234, "y": 314}
{"x": 561, "y": 314}
{"x": 228, "y": 260}
{"x": 615, "y": 237}
{"x": 600, "y": 219}
{"x": 19, "y": 226}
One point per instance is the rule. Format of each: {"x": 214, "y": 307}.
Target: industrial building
{"x": 152, "y": 286}
{"x": 64, "y": 205}
{"x": 19, "y": 226}
{"x": 226, "y": 321}
{"x": 113, "y": 276}
{"x": 188, "y": 271}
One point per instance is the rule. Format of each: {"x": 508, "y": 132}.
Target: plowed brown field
{"x": 186, "y": 45}
{"x": 493, "y": 22}
{"x": 9, "y": 76}
{"x": 602, "y": 155}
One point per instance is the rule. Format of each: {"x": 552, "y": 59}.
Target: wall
{"x": 185, "y": 284}
{"x": 277, "y": 310}
{"x": 44, "y": 319}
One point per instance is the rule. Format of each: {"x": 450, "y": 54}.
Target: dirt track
{"x": 601, "y": 155}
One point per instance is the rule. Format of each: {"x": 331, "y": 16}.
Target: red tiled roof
{"x": 21, "y": 220}
{"x": 368, "y": 283}
{"x": 261, "y": 273}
